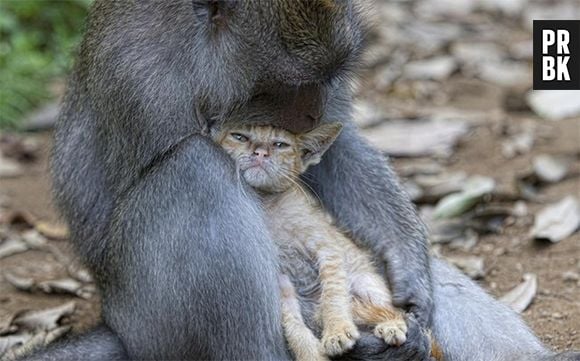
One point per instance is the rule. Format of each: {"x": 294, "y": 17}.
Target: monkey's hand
{"x": 369, "y": 347}
{"x": 410, "y": 282}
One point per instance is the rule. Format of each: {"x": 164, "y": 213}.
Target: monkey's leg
{"x": 339, "y": 332}
{"x": 471, "y": 325}
{"x": 302, "y": 342}
{"x": 100, "y": 344}
{"x": 195, "y": 270}
{"x": 357, "y": 186}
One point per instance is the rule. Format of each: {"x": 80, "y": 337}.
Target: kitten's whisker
{"x": 297, "y": 183}
{"x": 296, "y": 180}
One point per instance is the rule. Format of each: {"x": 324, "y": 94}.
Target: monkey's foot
{"x": 339, "y": 338}
{"x": 394, "y": 332}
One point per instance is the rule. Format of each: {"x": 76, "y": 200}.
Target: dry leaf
{"x": 9, "y": 168}
{"x": 12, "y": 246}
{"x": 11, "y": 341}
{"x": 430, "y": 137}
{"x": 29, "y": 343}
{"x": 52, "y": 230}
{"x": 520, "y": 297}
{"x": 456, "y": 204}
{"x": 438, "y": 68}
{"x": 58, "y": 286}
{"x": 557, "y": 221}
{"x": 506, "y": 74}
{"x": 437, "y": 186}
{"x": 555, "y": 104}
{"x": 43, "y": 320}
{"x": 550, "y": 169}
{"x": 472, "y": 266}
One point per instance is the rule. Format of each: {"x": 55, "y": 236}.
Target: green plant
{"x": 37, "y": 39}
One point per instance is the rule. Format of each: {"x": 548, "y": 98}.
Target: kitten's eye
{"x": 281, "y": 145}
{"x": 239, "y": 137}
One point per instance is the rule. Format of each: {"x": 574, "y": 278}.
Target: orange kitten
{"x": 271, "y": 160}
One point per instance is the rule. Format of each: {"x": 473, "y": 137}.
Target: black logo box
{"x": 573, "y": 27}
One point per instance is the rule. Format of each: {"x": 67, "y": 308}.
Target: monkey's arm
{"x": 357, "y": 186}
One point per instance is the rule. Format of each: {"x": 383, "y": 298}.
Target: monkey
{"x": 148, "y": 197}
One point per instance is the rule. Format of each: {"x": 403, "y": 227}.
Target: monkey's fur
{"x": 156, "y": 210}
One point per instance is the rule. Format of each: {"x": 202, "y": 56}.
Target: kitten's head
{"x": 271, "y": 159}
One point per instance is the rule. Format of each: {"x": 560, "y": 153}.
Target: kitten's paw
{"x": 394, "y": 332}
{"x": 338, "y": 339}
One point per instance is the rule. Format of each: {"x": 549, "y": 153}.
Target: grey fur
{"x": 98, "y": 344}
{"x": 176, "y": 241}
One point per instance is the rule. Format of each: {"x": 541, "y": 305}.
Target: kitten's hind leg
{"x": 371, "y": 305}
{"x": 301, "y": 341}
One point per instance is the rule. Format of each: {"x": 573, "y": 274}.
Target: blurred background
{"x": 37, "y": 39}
{"x": 493, "y": 167}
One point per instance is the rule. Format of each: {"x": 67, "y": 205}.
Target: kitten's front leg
{"x": 301, "y": 341}
{"x": 339, "y": 330}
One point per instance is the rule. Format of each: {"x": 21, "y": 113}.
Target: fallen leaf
{"x": 429, "y": 137}
{"x": 488, "y": 219}
{"x": 550, "y": 169}
{"x": 447, "y": 8}
{"x": 58, "y": 286}
{"x": 12, "y": 246}
{"x": 11, "y": 341}
{"x": 542, "y": 10}
{"x": 33, "y": 342}
{"x": 43, "y": 320}
{"x": 438, "y": 68}
{"x": 456, "y": 204}
{"x": 21, "y": 283}
{"x": 472, "y": 266}
{"x": 9, "y": 168}
{"x": 506, "y": 74}
{"x": 418, "y": 167}
{"x": 52, "y": 230}
{"x": 437, "y": 186}
{"x": 507, "y": 7}
{"x": 557, "y": 221}
{"x": 521, "y": 296}
{"x": 555, "y": 104}
{"x": 34, "y": 239}
{"x": 475, "y": 53}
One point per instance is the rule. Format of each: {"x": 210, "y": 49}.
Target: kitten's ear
{"x": 316, "y": 142}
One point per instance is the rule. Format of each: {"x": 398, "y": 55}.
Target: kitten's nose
{"x": 261, "y": 153}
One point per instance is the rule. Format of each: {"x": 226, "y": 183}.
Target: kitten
{"x": 271, "y": 160}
